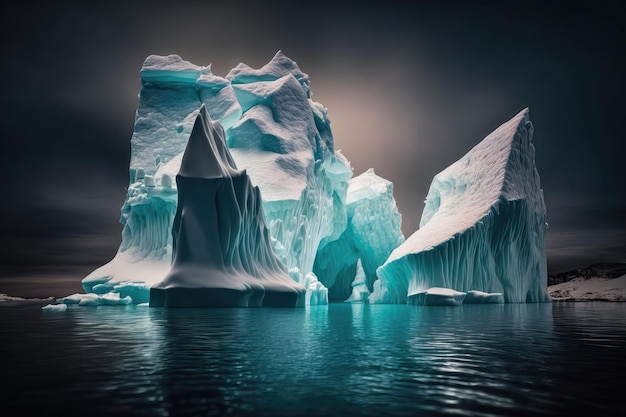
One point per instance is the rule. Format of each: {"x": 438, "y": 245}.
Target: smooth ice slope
{"x": 222, "y": 253}
{"x": 373, "y": 231}
{"x": 483, "y": 226}
{"x": 274, "y": 130}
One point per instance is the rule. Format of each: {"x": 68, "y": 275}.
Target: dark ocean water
{"x": 339, "y": 360}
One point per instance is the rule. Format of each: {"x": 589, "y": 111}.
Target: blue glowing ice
{"x": 372, "y": 232}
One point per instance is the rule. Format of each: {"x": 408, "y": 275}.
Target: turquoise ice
{"x": 372, "y": 233}
{"x": 483, "y": 227}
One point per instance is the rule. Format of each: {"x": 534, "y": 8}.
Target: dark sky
{"x": 409, "y": 89}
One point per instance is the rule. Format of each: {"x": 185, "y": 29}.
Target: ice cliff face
{"x": 372, "y": 232}
{"x": 222, "y": 251}
{"x": 483, "y": 226}
{"x": 274, "y": 131}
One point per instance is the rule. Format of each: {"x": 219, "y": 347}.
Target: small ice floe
{"x": 113, "y": 299}
{"x": 480, "y": 297}
{"x": 437, "y": 296}
{"x": 57, "y": 308}
{"x": 71, "y": 299}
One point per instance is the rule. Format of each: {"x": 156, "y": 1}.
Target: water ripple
{"x": 348, "y": 360}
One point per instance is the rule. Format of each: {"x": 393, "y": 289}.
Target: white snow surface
{"x": 95, "y": 300}
{"x": 590, "y": 289}
{"x": 483, "y": 226}
{"x": 279, "y": 66}
{"x": 470, "y": 188}
{"x": 437, "y": 296}
{"x": 55, "y": 308}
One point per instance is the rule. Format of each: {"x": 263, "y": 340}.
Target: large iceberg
{"x": 274, "y": 131}
{"x": 483, "y": 226}
{"x": 222, "y": 252}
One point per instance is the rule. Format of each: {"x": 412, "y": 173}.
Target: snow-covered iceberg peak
{"x": 483, "y": 226}
{"x": 279, "y": 66}
{"x": 222, "y": 253}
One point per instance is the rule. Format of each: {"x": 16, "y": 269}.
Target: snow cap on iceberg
{"x": 169, "y": 69}
{"x": 278, "y": 67}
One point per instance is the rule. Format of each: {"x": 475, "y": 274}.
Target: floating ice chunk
{"x": 480, "y": 297}
{"x": 113, "y": 299}
{"x": 71, "y": 299}
{"x": 437, "y": 297}
{"x": 57, "y": 308}
{"x": 89, "y": 300}
{"x": 483, "y": 225}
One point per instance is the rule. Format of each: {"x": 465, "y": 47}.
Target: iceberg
{"x": 371, "y": 234}
{"x": 222, "y": 252}
{"x": 274, "y": 131}
{"x": 483, "y": 226}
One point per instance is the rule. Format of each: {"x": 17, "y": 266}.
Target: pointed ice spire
{"x": 206, "y": 155}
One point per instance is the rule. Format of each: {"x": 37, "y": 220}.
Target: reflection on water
{"x": 343, "y": 359}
